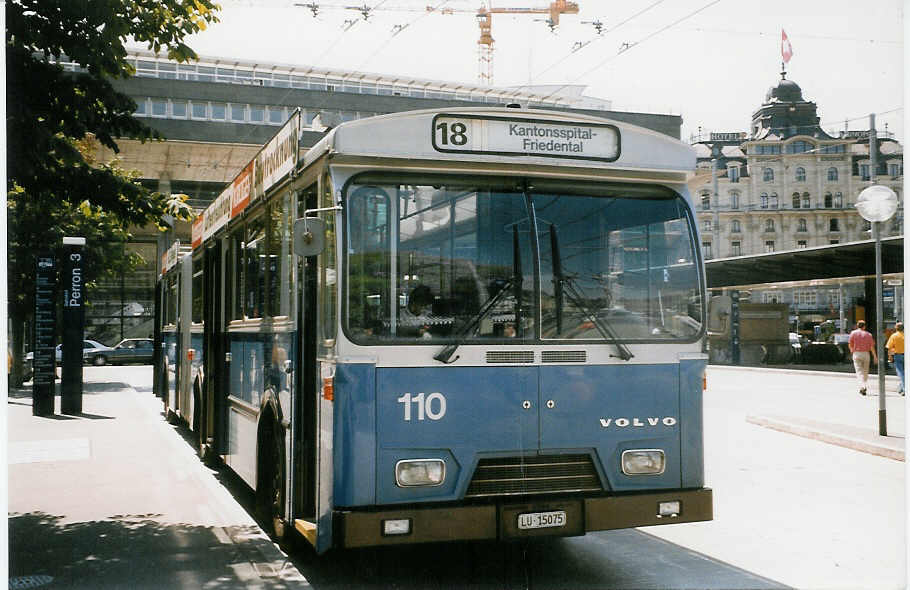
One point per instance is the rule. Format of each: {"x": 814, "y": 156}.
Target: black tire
{"x": 270, "y": 491}
{"x": 99, "y": 360}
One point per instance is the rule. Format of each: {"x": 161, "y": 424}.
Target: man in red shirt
{"x": 862, "y": 345}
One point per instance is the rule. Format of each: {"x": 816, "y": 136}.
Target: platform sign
{"x": 44, "y": 353}
{"x": 507, "y": 136}
{"x": 73, "y": 284}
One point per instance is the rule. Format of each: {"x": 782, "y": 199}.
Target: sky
{"x": 710, "y": 61}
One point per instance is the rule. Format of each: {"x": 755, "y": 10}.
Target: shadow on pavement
{"x": 132, "y": 551}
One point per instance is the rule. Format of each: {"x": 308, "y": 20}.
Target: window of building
{"x": 769, "y": 245}
{"x": 772, "y": 296}
{"x": 706, "y": 250}
{"x": 219, "y": 110}
{"x": 832, "y": 174}
{"x": 800, "y": 174}
{"x": 736, "y": 248}
{"x": 806, "y": 297}
{"x": 801, "y": 244}
{"x": 767, "y": 175}
{"x": 763, "y": 200}
{"x": 735, "y": 227}
{"x": 772, "y": 201}
{"x": 733, "y": 173}
{"x": 178, "y": 109}
{"x": 897, "y": 223}
{"x": 734, "y": 200}
{"x": 257, "y": 113}
{"x": 806, "y": 201}
{"x": 801, "y": 225}
{"x": 199, "y": 110}
{"x": 769, "y": 225}
{"x": 829, "y": 201}
{"x": 833, "y": 225}
{"x": 799, "y": 147}
{"x": 838, "y": 200}
{"x": 867, "y": 225}
{"x": 141, "y": 106}
{"x": 832, "y": 242}
{"x": 705, "y": 201}
{"x": 159, "y": 107}
{"x": 864, "y": 171}
{"x": 238, "y": 112}
{"x": 706, "y": 226}
{"x": 894, "y": 170}
{"x": 796, "y": 200}
{"x": 276, "y": 115}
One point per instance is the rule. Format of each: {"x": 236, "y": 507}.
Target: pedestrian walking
{"x": 895, "y": 348}
{"x": 862, "y": 347}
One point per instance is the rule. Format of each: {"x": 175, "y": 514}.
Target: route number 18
{"x": 452, "y": 133}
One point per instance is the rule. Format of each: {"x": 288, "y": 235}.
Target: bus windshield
{"x": 445, "y": 260}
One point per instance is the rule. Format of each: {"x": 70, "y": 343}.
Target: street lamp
{"x": 876, "y": 204}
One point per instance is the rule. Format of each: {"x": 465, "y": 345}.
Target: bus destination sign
{"x": 526, "y": 137}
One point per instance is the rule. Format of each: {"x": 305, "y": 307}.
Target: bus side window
{"x": 254, "y": 269}
{"x": 368, "y": 224}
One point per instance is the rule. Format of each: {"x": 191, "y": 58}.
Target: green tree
{"x": 56, "y": 187}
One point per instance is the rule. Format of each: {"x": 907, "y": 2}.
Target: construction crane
{"x": 484, "y": 21}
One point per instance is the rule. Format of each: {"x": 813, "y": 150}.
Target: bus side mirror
{"x": 309, "y": 236}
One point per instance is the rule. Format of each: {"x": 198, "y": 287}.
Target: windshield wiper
{"x": 513, "y": 283}
{"x": 565, "y": 287}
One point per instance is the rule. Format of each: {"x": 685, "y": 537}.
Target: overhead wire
{"x": 599, "y": 36}
{"x": 627, "y": 46}
{"x": 398, "y": 29}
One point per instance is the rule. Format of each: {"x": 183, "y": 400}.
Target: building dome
{"x": 785, "y": 91}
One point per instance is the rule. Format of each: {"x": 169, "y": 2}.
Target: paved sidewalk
{"x": 116, "y": 498}
{"x": 845, "y": 428}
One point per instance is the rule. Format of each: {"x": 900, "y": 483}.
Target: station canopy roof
{"x": 837, "y": 261}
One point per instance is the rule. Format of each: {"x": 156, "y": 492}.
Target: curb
{"x": 843, "y": 374}
{"x": 894, "y": 452}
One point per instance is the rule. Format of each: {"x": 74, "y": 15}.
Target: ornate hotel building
{"x": 786, "y": 183}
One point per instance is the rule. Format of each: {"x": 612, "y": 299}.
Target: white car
{"x": 92, "y": 350}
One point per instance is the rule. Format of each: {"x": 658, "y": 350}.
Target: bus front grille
{"x": 510, "y": 356}
{"x": 515, "y": 476}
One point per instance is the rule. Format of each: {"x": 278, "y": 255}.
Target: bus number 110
{"x": 432, "y": 406}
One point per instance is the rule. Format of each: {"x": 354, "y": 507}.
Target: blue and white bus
{"x": 454, "y": 324}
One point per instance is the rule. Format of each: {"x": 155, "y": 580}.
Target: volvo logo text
{"x": 637, "y": 422}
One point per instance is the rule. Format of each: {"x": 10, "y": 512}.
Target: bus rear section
{"x": 520, "y": 357}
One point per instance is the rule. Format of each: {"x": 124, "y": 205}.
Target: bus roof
{"x": 526, "y": 136}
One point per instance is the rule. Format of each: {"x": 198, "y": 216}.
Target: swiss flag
{"x": 786, "y": 50}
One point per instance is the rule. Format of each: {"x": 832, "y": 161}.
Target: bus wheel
{"x": 270, "y": 492}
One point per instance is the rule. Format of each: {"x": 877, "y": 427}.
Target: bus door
{"x": 215, "y": 388}
{"x": 306, "y": 388}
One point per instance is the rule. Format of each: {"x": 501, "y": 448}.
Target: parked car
{"x": 130, "y": 350}
{"x": 90, "y": 350}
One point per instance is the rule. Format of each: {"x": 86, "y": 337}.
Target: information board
{"x": 44, "y": 353}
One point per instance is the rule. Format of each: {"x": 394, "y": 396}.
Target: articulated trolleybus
{"x": 455, "y": 324}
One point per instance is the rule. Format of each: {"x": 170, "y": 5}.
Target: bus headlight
{"x": 643, "y": 462}
{"x": 420, "y": 472}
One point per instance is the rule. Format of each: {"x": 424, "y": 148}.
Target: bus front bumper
{"x": 499, "y": 521}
